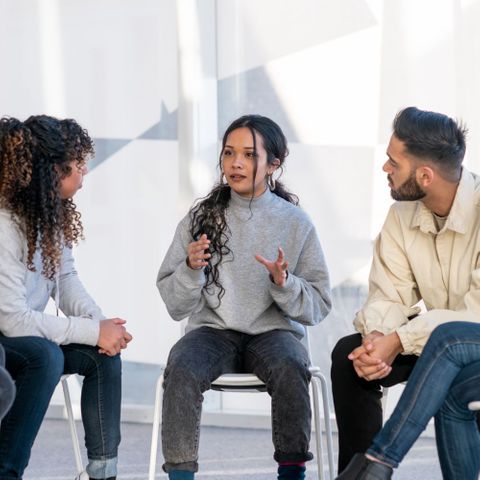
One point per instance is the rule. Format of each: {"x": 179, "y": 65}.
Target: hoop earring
{"x": 271, "y": 182}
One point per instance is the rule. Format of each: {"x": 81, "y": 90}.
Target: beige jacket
{"x": 413, "y": 262}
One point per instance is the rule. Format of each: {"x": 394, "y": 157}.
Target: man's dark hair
{"x": 432, "y": 136}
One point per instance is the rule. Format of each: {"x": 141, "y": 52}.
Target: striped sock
{"x": 291, "y": 471}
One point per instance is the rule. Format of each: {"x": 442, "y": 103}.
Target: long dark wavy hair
{"x": 208, "y": 214}
{"x": 34, "y": 156}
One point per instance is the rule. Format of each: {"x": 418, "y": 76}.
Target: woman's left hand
{"x": 277, "y": 269}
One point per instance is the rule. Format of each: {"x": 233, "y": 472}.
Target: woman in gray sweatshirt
{"x": 42, "y": 164}
{"x": 246, "y": 268}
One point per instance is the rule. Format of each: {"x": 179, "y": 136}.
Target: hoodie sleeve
{"x": 179, "y": 285}
{"x": 16, "y": 317}
{"x": 305, "y": 297}
{"x": 74, "y": 299}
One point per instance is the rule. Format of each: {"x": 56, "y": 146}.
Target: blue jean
{"x": 202, "y": 355}
{"x": 36, "y": 365}
{"x": 445, "y": 379}
{"x": 7, "y": 387}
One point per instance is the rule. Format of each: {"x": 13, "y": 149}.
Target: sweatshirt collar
{"x": 460, "y": 213}
{"x": 261, "y": 201}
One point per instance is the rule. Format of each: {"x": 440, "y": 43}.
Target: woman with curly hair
{"x": 246, "y": 312}
{"x": 42, "y": 164}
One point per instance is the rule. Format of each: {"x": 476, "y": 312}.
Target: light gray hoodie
{"x": 24, "y": 294}
{"x": 252, "y": 303}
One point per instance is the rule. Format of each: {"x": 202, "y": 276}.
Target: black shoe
{"x": 361, "y": 468}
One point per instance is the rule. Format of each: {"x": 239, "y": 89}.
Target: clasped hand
{"x": 113, "y": 336}
{"x": 373, "y": 359}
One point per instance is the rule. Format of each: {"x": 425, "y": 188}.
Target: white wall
{"x": 333, "y": 74}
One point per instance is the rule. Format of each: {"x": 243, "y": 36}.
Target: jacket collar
{"x": 460, "y": 213}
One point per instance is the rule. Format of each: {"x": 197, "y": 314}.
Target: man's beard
{"x": 409, "y": 190}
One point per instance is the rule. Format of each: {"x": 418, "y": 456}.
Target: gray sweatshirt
{"x": 252, "y": 303}
{"x": 24, "y": 294}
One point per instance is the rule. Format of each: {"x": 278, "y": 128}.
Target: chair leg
{"x": 155, "y": 428}
{"x": 318, "y": 428}
{"x": 73, "y": 427}
{"x": 384, "y": 402}
{"x": 475, "y": 406}
{"x": 317, "y": 375}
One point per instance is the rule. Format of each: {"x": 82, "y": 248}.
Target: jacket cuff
{"x": 404, "y": 336}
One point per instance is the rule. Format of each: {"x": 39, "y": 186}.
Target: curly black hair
{"x": 207, "y": 216}
{"x": 34, "y": 156}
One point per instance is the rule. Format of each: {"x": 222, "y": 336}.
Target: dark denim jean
{"x": 277, "y": 357}
{"x": 445, "y": 379}
{"x": 7, "y": 387}
{"x": 36, "y": 365}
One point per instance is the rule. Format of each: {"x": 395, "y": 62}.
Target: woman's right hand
{"x": 197, "y": 257}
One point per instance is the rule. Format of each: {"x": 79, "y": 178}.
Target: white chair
{"x": 71, "y": 423}
{"x": 474, "y": 405}
{"x": 247, "y": 382}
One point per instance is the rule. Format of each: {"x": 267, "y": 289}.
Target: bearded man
{"x": 428, "y": 249}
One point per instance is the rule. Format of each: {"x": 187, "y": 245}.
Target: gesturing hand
{"x": 277, "y": 269}
{"x": 197, "y": 258}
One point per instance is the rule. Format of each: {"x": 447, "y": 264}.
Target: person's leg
{"x": 456, "y": 432}
{"x": 194, "y": 362}
{"x": 451, "y": 347}
{"x": 7, "y": 387}
{"x": 36, "y": 365}
{"x": 100, "y": 403}
{"x": 357, "y": 402}
{"x": 280, "y": 360}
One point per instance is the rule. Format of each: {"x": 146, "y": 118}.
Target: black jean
{"x": 277, "y": 357}
{"x": 358, "y": 407}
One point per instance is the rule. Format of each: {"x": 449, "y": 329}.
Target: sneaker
{"x": 82, "y": 476}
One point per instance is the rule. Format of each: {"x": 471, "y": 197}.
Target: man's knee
{"x": 443, "y": 333}
{"x": 344, "y": 347}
